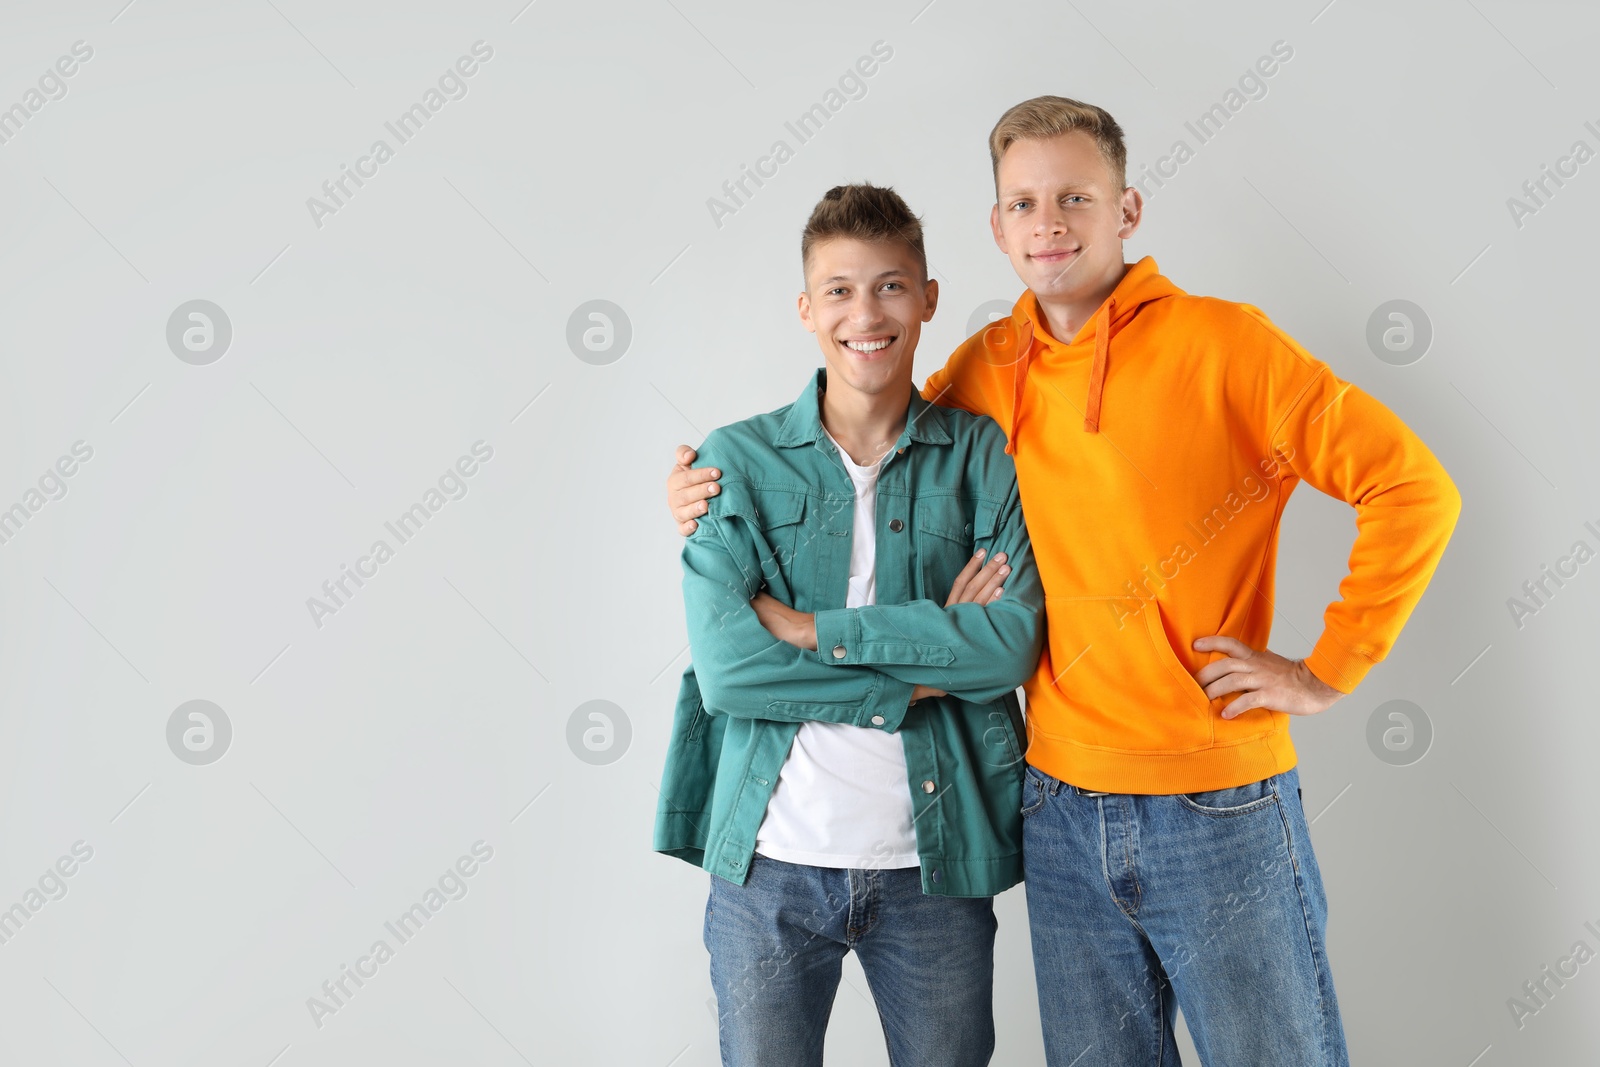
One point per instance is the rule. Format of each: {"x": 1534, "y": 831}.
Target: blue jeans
{"x": 1209, "y": 902}
{"x": 777, "y": 943}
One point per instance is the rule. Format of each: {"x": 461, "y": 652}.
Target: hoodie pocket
{"x": 1124, "y": 686}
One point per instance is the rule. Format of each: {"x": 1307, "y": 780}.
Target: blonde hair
{"x": 1050, "y": 116}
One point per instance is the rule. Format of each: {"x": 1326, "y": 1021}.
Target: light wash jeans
{"x": 777, "y": 944}
{"x": 1208, "y": 901}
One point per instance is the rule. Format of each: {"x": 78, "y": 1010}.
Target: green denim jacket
{"x": 783, "y": 522}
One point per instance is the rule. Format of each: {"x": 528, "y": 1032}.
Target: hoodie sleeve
{"x": 1344, "y": 443}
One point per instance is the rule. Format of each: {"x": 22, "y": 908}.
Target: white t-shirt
{"x": 842, "y": 798}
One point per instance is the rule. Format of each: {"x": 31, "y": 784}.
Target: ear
{"x": 931, "y": 297}
{"x": 994, "y": 228}
{"x": 1132, "y": 213}
{"x": 804, "y": 307}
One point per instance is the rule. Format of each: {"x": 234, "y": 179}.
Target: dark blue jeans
{"x": 1210, "y": 902}
{"x": 778, "y": 941}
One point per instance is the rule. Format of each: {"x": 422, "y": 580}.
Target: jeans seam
{"x": 1129, "y": 857}
{"x": 1105, "y": 870}
{"x": 1317, "y": 963}
{"x": 850, "y": 924}
{"x": 1161, "y": 1015}
{"x": 1161, "y": 1007}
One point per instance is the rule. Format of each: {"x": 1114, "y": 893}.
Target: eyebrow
{"x": 1074, "y": 184}
{"x": 886, "y": 274}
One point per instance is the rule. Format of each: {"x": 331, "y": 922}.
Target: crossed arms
{"x": 758, "y": 658}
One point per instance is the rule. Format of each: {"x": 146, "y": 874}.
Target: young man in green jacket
{"x": 846, "y": 752}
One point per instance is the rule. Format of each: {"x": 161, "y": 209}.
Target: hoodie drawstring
{"x": 1097, "y": 372}
{"x": 1097, "y": 375}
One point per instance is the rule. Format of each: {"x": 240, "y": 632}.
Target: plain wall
{"x": 371, "y": 346}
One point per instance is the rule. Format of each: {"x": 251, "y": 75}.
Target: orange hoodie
{"x": 1155, "y": 453}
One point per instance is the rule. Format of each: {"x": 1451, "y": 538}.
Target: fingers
{"x": 979, "y": 584}
{"x": 1248, "y": 702}
{"x": 694, "y": 475}
{"x": 1212, "y": 671}
{"x": 1223, "y": 643}
{"x": 959, "y": 586}
{"x": 686, "y": 456}
{"x": 1235, "y": 682}
{"x": 987, "y": 585}
{"x": 688, "y": 489}
{"x": 692, "y": 483}
{"x": 688, "y": 527}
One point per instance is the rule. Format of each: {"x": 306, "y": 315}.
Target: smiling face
{"x": 866, "y": 301}
{"x": 1061, "y": 218}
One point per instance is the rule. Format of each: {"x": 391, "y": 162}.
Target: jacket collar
{"x": 925, "y": 422}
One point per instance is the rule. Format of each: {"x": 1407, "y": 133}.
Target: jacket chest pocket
{"x": 949, "y": 531}
{"x": 779, "y": 515}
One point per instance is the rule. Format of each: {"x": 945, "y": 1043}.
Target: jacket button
{"x": 937, "y": 875}
{"x": 896, "y": 525}
{"x": 877, "y": 720}
{"x": 838, "y": 652}
{"x": 927, "y": 787}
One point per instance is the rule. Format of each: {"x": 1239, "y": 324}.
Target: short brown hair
{"x": 1050, "y": 116}
{"x": 866, "y": 213}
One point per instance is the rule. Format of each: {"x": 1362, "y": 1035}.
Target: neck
{"x": 866, "y": 425}
{"x": 1066, "y": 316}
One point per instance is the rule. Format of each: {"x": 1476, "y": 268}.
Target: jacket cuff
{"x": 838, "y": 636}
{"x": 890, "y": 702}
{"x": 848, "y": 637}
{"x": 1337, "y": 665}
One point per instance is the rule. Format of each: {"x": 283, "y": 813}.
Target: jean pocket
{"x": 1032, "y": 794}
{"x": 1236, "y": 800}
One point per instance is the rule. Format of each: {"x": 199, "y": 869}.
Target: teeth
{"x": 867, "y": 346}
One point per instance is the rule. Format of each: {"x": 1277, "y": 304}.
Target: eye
{"x": 835, "y": 289}
{"x": 1077, "y": 196}
{"x": 1020, "y": 204}
{"x": 893, "y": 285}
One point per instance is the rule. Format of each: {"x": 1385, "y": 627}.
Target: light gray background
{"x": 432, "y": 711}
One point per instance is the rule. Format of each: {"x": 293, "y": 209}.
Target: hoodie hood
{"x": 1140, "y": 284}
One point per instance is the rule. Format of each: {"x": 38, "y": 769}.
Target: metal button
{"x": 877, "y": 720}
{"x": 927, "y": 787}
{"x": 937, "y": 875}
{"x": 896, "y": 525}
{"x": 838, "y": 652}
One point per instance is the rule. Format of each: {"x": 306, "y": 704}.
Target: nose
{"x": 865, "y": 310}
{"x": 1050, "y": 220}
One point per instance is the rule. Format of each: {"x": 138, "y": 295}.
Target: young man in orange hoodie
{"x": 1157, "y": 438}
